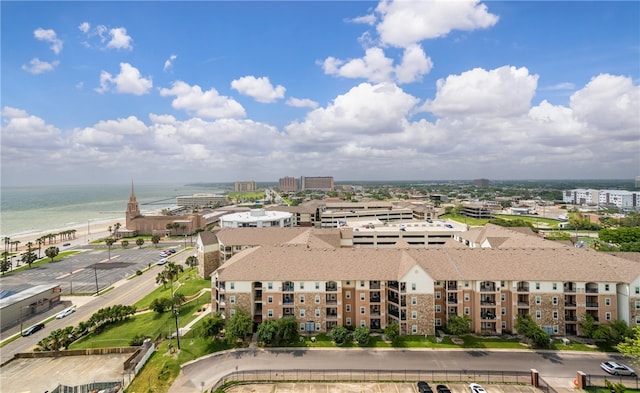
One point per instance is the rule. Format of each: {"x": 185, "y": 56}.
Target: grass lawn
{"x": 246, "y": 196}
{"x": 188, "y": 284}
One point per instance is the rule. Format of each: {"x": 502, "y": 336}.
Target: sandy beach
{"x": 85, "y": 234}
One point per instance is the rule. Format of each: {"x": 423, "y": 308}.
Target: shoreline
{"x": 85, "y": 233}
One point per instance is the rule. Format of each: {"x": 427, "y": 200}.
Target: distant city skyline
{"x": 103, "y": 92}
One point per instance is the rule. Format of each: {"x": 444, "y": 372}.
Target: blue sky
{"x": 222, "y": 91}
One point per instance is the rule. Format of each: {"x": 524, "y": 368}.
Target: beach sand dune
{"x": 84, "y": 234}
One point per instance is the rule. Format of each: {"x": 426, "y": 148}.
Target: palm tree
{"x": 116, "y": 227}
{"x": 162, "y": 278}
{"x": 109, "y": 241}
{"x": 169, "y": 226}
{"x": 172, "y": 270}
{"x": 192, "y": 261}
{"x": 40, "y": 241}
{"x": 52, "y": 252}
{"x": 155, "y": 239}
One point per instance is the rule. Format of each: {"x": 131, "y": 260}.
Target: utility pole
{"x": 175, "y": 314}
{"x": 95, "y": 272}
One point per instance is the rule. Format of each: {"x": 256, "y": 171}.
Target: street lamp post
{"x": 21, "y": 318}
{"x": 175, "y": 314}
{"x": 95, "y": 272}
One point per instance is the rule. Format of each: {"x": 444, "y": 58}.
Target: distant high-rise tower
{"x": 289, "y": 184}
{"x": 637, "y": 181}
{"x": 482, "y": 183}
{"x": 244, "y": 186}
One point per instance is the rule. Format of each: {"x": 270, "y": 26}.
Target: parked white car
{"x": 616, "y": 368}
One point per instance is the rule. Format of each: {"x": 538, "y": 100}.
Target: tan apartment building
{"x": 420, "y": 288}
{"x": 320, "y": 183}
{"x": 289, "y": 184}
{"x": 244, "y": 186}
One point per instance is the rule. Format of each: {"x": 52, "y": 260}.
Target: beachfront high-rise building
{"x": 201, "y": 200}
{"x": 317, "y": 183}
{"x": 289, "y": 184}
{"x": 637, "y": 181}
{"x": 244, "y": 186}
{"x": 481, "y": 183}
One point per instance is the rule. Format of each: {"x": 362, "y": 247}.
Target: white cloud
{"x": 19, "y": 132}
{"x": 611, "y": 103}
{"x": 84, "y": 27}
{"x": 128, "y": 126}
{"x": 502, "y": 92}
{"x": 168, "y": 64}
{"x": 208, "y": 104}
{"x": 404, "y": 23}
{"x": 91, "y": 137}
{"x": 369, "y": 19}
{"x": 49, "y": 36}
{"x": 37, "y": 66}
{"x": 119, "y": 39}
{"x": 301, "y": 103}
{"x": 260, "y": 89}
{"x": 128, "y": 81}
{"x": 414, "y": 65}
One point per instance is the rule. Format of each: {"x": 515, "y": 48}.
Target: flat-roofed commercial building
{"x": 244, "y": 186}
{"x": 256, "y": 218}
{"x": 317, "y": 183}
{"x": 289, "y": 184}
{"x": 201, "y": 200}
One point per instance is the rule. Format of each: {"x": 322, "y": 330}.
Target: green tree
{"x": 288, "y": 329}
{"x": 268, "y": 332}
{"x": 458, "y": 324}
{"x": 139, "y": 242}
{"x": 238, "y": 326}
{"x": 361, "y": 334}
{"x": 612, "y": 332}
{"x": 52, "y": 252}
{"x": 169, "y": 226}
{"x": 28, "y": 257}
{"x": 124, "y": 243}
{"x": 587, "y": 325}
{"x": 213, "y": 325}
{"x": 392, "y": 331}
{"x": 192, "y": 261}
{"x": 109, "y": 242}
{"x": 160, "y": 304}
{"x": 527, "y": 327}
{"x": 172, "y": 270}
{"x": 155, "y": 239}
{"x": 631, "y": 345}
{"x": 339, "y": 334}
{"x": 161, "y": 278}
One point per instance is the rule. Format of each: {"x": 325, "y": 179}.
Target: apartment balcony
{"x": 569, "y": 287}
{"x": 394, "y": 312}
{"x": 374, "y": 284}
{"x": 287, "y": 299}
{"x": 452, "y": 300}
{"x": 570, "y": 305}
{"x": 570, "y": 318}
{"x": 592, "y": 305}
{"x": 522, "y": 287}
{"x": 288, "y": 286}
{"x": 331, "y": 302}
{"x": 332, "y": 317}
{"x": 487, "y": 302}
{"x": 288, "y": 311}
{"x": 452, "y": 285}
{"x": 331, "y": 286}
{"x": 393, "y": 285}
{"x": 523, "y": 304}
{"x": 374, "y": 299}
{"x": 488, "y": 286}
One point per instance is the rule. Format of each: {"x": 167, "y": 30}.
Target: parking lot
{"x": 406, "y": 387}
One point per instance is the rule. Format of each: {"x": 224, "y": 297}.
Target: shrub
{"x": 339, "y": 334}
{"x": 138, "y": 272}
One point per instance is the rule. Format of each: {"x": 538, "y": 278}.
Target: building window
{"x": 437, "y": 308}
{"x": 362, "y": 296}
{"x": 637, "y": 305}
{"x": 413, "y": 286}
{"x": 637, "y": 319}
{"x": 270, "y": 313}
{"x": 232, "y": 299}
{"x": 301, "y": 298}
{"x": 302, "y": 326}
{"x": 503, "y": 310}
{"x": 466, "y": 297}
{"x": 504, "y": 324}
{"x": 554, "y": 300}
{"x": 348, "y": 283}
{"x": 501, "y": 284}
{"x": 317, "y": 299}
{"x": 317, "y": 312}
{"x": 437, "y": 294}
{"x": 607, "y": 301}
{"x": 555, "y": 286}
{"x": 555, "y": 315}
{"x": 537, "y": 285}
{"x": 317, "y": 285}
{"x": 438, "y": 322}
{"x": 302, "y": 312}
{"x": 637, "y": 290}
{"x": 362, "y": 310}
{"x": 607, "y": 316}
{"x": 348, "y": 321}
{"x": 414, "y": 300}
{"x": 555, "y": 329}
{"x": 606, "y": 287}
{"x": 270, "y": 285}
{"x": 503, "y": 297}
{"x": 318, "y": 326}
{"x": 466, "y": 284}
{"x": 301, "y": 285}
{"x": 538, "y": 314}
{"x": 347, "y": 308}
{"x": 269, "y": 299}
{"x": 414, "y": 329}
{"x": 347, "y": 294}
{"x": 538, "y": 300}
{"x": 466, "y": 311}
{"x": 437, "y": 283}
{"x": 232, "y": 285}
{"x": 232, "y": 312}
{"x": 363, "y": 323}
{"x": 361, "y": 284}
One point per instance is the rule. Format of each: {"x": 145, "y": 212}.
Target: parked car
{"x": 162, "y": 261}
{"x": 65, "y": 312}
{"x": 32, "y": 329}
{"x": 66, "y": 244}
{"x": 616, "y": 368}
{"x": 164, "y": 254}
{"x": 443, "y": 389}
{"x": 424, "y": 387}
{"x": 475, "y": 388}
{"x": 172, "y": 251}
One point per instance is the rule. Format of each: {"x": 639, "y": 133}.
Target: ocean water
{"x": 25, "y": 210}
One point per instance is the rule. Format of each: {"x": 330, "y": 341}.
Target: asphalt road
{"x": 552, "y": 365}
